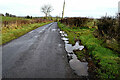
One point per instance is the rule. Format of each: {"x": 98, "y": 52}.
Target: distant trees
{"x": 57, "y": 18}
{"x": 46, "y": 9}
{"x": 9, "y": 15}
{"x": 28, "y": 17}
{"x": 12, "y": 15}
{"x": 1, "y": 14}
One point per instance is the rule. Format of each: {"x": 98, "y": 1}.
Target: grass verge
{"x": 106, "y": 61}
{"x": 10, "y": 34}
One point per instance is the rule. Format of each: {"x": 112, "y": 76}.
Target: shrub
{"x": 108, "y": 26}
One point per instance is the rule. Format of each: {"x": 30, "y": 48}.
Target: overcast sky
{"x": 73, "y": 8}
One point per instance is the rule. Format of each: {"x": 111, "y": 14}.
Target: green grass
{"x": 10, "y": 34}
{"x": 106, "y": 61}
{"x": 80, "y": 54}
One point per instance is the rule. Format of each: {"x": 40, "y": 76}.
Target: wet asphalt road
{"x": 38, "y": 54}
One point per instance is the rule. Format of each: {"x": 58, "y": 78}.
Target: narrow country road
{"x": 38, "y": 54}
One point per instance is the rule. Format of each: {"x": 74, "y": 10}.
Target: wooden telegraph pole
{"x": 63, "y": 9}
{"x": 119, "y": 13}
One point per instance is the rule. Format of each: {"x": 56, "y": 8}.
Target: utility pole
{"x": 119, "y": 13}
{"x": 106, "y": 14}
{"x": 63, "y": 9}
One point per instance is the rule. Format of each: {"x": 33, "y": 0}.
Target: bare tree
{"x": 46, "y": 9}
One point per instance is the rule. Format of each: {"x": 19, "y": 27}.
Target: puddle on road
{"x": 59, "y": 45}
{"x": 43, "y": 29}
{"x": 36, "y": 36}
{"x": 40, "y": 31}
{"x": 69, "y": 48}
{"x": 54, "y": 30}
{"x": 80, "y": 68}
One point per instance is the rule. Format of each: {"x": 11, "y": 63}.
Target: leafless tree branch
{"x": 46, "y": 9}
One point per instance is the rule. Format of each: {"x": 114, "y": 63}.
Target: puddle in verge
{"x": 80, "y": 68}
{"x": 63, "y": 34}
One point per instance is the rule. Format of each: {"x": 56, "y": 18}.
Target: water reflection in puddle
{"x": 65, "y": 39}
{"x": 69, "y": 48}
{"x": 77, "y": 46}
{"x": 61, "y": 31}
{"x": 63, "y": 34}
{"x": 80, "y": 68}
{"x": 66, "y": 42}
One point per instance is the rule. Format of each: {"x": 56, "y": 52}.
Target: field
{"x": 14, "y": 27}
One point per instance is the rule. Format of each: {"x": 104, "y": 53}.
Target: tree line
{"x": 11, "y": 15}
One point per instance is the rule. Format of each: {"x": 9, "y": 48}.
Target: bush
{"x": 108, "y": 26}
{"x": 76, "y": 21}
